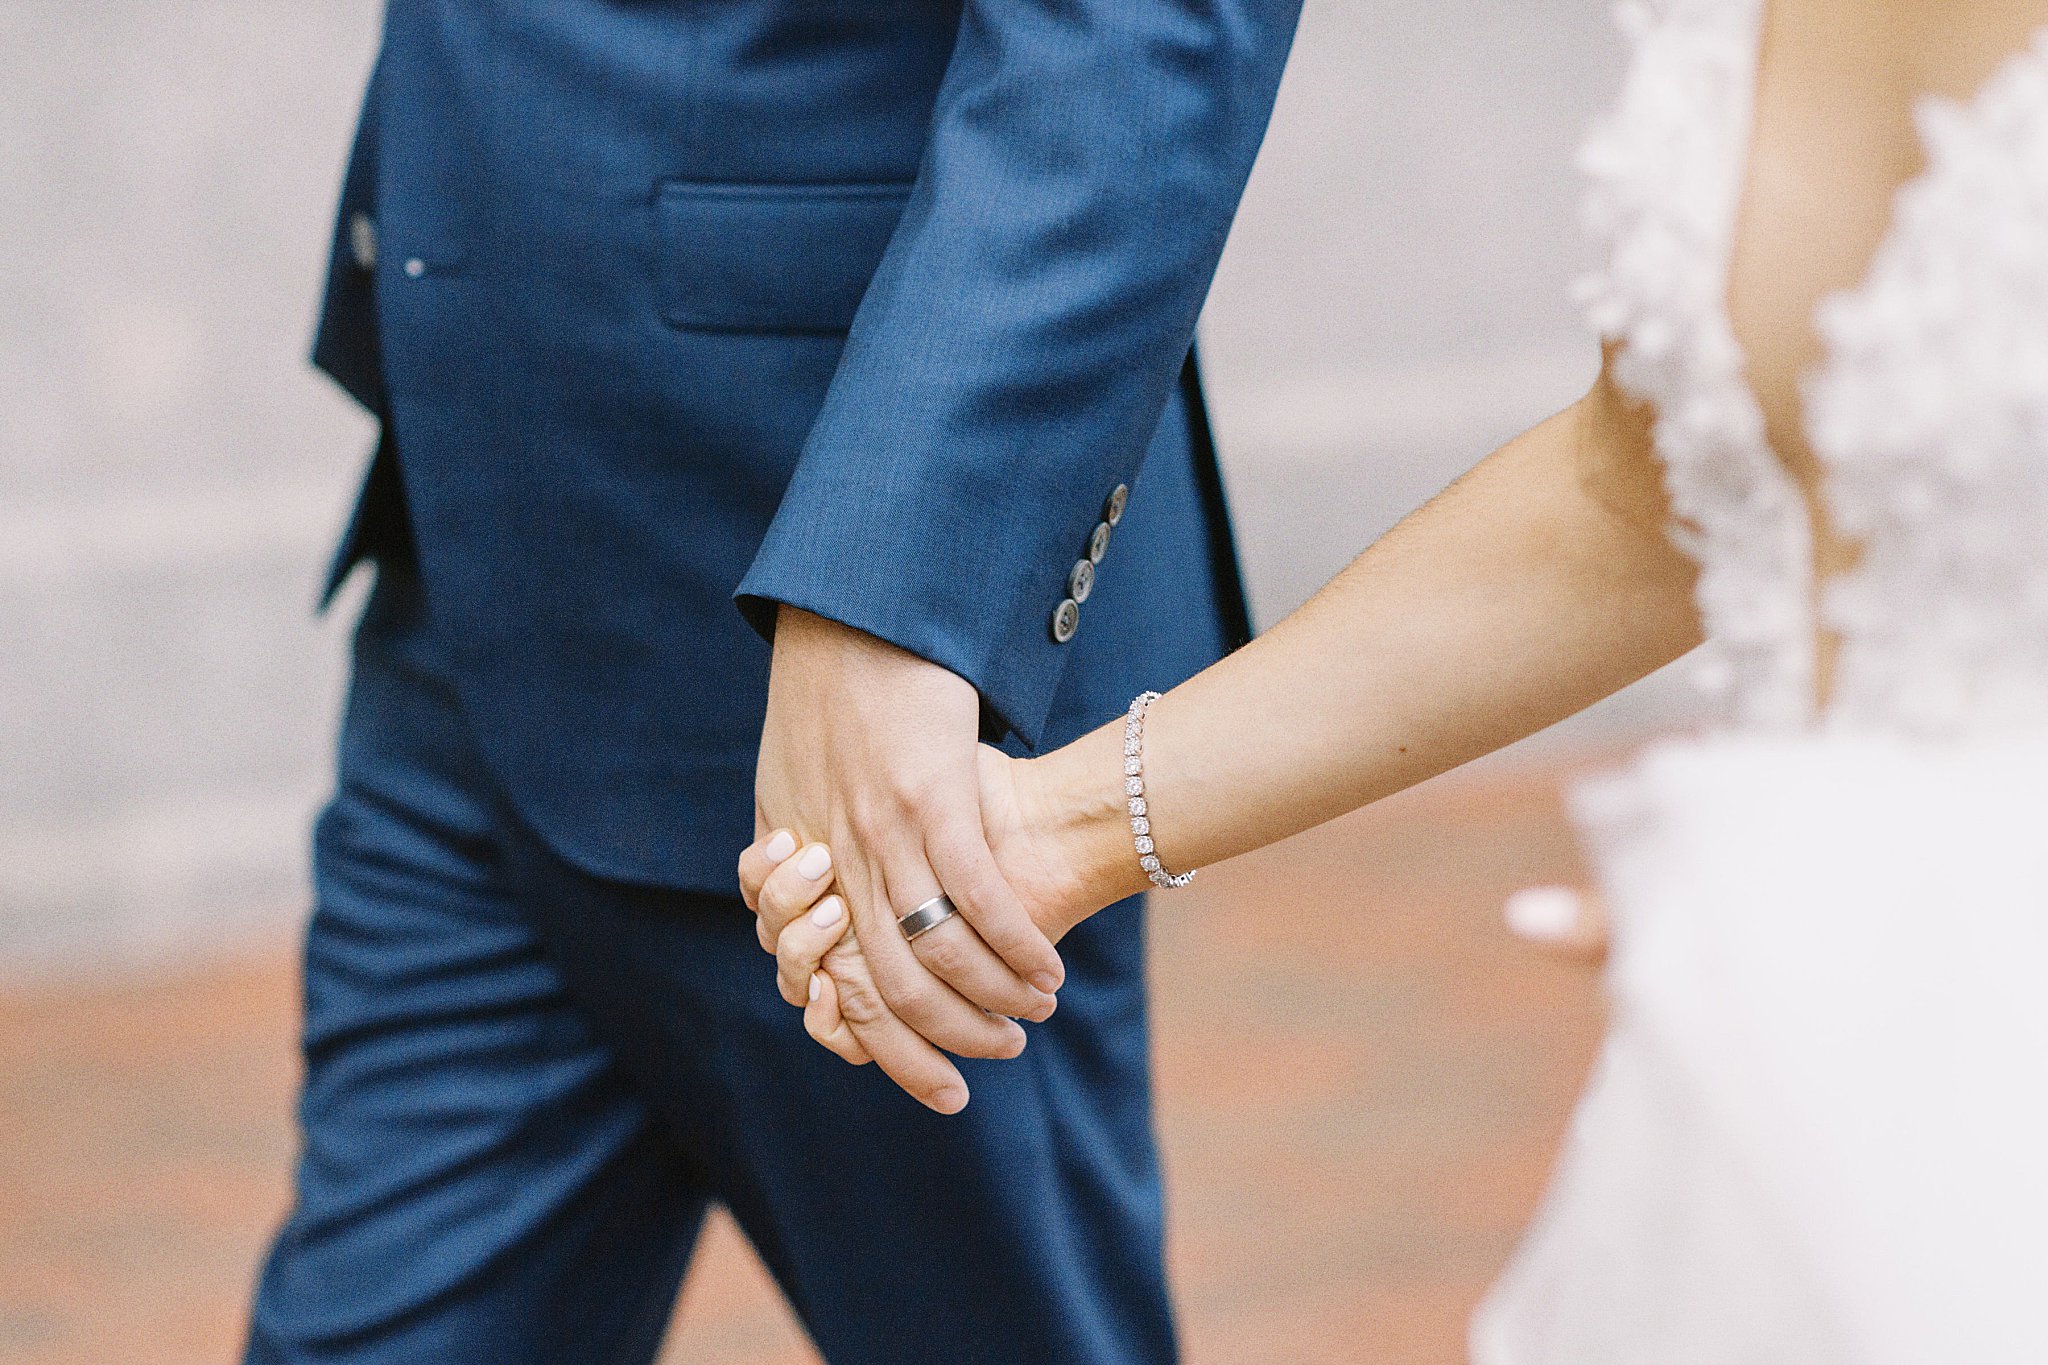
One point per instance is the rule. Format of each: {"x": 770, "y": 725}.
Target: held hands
{"x": 871, "y": 753}
{"x": 821, "y": 968}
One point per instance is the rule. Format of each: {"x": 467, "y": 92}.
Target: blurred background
{"x": 1393, "y": 304}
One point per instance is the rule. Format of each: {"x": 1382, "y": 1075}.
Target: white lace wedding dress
{"x": 1818, "y": 1130}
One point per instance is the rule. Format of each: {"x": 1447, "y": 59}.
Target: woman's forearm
{"x": 1539, "y": 583}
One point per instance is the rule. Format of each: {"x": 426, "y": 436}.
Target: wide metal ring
{"x": 927, "y": 917}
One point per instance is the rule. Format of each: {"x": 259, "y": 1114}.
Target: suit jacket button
{"x": 1081, "y": 580}
{"x": 1113, "y": 509}
{"x": 362, "y": 240}
{"x": 1098, "y": 542}
{"x": 1066, "y": 619}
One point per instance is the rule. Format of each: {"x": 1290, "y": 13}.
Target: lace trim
{"x": 1931, "y": 414}
{"x": 1666, "y": 171}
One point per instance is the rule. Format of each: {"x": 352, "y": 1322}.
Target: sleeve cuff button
{"x": 1066, "y": 619}
{"x": 1113, "y": 507}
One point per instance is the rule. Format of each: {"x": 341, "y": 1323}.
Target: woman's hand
{"x": 1059, "y": 833}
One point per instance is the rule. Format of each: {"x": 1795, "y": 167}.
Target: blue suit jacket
{"x": 866, "y": 306}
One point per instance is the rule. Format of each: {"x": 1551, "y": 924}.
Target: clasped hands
{"x": 872, "y": 797}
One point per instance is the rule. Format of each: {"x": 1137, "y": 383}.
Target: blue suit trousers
{"x": 525, "y": 1086}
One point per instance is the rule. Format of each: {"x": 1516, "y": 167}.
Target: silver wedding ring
{"x": 927, "y": 917}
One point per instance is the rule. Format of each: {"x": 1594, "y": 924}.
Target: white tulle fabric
{"x": 1931, "y": 415}
{"x": 1816, "y": 1132}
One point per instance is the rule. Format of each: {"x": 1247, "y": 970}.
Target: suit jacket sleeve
{"x": 1016, "y": 348}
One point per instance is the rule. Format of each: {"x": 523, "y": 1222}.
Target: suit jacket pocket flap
{"x": 771, "y": 258}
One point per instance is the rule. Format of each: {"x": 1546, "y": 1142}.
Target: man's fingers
{"x": 959, "y": 854}
{"x": 907, "y": 1059}
{"x": 912, "y": 993}
{"x": 825, "y": 1024}
{"x": 800, "y": 951}
{"x": 956, "y": 955}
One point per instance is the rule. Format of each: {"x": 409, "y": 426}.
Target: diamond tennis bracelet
{"x": 1134, "y": 790}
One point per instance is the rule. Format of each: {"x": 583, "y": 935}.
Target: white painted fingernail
{"x": 828, "y": 912}
{"x": 817, "y": 988}
{"x": 815, "y": 863}
{"x": 779, "y": 847}
{"x": 1544, "y": 913}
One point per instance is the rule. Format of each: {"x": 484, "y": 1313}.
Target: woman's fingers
{"x": 758, "y": 860}
{"x": 800, "y": 951}
{"x": 825, "y": 1024}
{"x": 791, "y": 885}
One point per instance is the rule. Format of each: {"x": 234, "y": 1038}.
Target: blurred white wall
{"x": 1394, "y": 303}
{"x": 171, "y": 472}
{"x": 169, "y": 468}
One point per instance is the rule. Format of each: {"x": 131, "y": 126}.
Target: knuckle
{"x": 795, "y": 982}
{"x": 918, "y": 797}
{"x": 919, "y": 1006}
{"x": 1007, "y": 938}
{"x": 860, "y": 1004}
{"x": 781, "y": 915}
{"x": 945, "y": 953}
{"x": 979, "y": 897}
{"x": 871, "y": 816}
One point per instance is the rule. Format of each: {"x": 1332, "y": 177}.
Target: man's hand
{"x": 871, "y": 751}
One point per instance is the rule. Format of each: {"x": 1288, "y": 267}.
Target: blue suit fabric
{"x": 674, "y": 312}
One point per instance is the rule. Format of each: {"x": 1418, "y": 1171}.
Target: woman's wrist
{"x": 1074, "y": 796}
